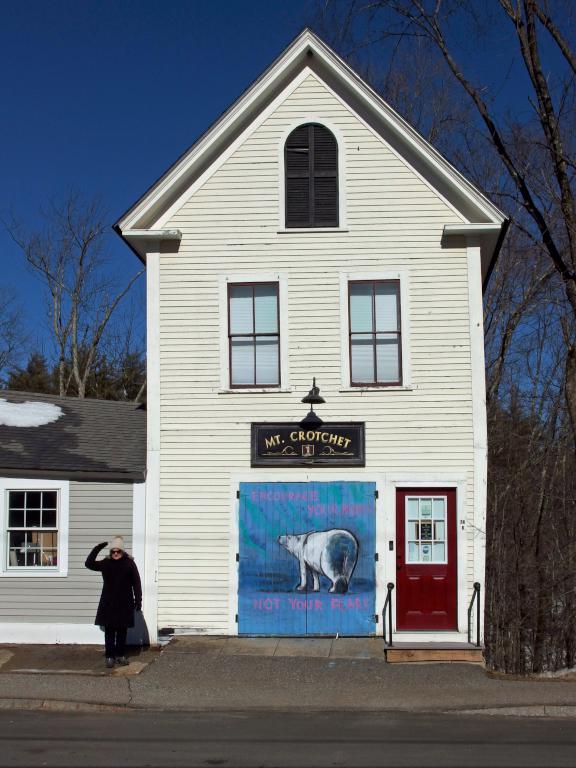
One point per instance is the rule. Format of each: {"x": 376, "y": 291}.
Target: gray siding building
{"x": 72, "y": 474}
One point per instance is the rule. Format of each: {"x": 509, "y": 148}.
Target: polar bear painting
{"x": 332, "y": 553}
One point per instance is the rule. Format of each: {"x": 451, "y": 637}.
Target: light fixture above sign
{"x": 313, "y": 398}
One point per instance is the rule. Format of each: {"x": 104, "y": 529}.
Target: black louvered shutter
{"x": 311, "y": 161}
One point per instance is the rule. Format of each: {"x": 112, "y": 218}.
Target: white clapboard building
{"x": 312, "y": 233}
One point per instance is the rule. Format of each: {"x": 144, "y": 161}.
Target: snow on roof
{"x": 28, "y": 414}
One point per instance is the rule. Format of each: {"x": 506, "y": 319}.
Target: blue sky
{"x": 103, "y": 96}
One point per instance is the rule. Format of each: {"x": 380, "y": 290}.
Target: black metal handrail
{"x": 475, "y": 597}
{"x": 387, "y": 605}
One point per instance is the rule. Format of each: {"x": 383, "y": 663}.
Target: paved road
{"x": 167, "y": 740}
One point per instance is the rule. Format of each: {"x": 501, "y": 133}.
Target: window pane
{"x": 32, "y": 518}
{"x": 15, "y": 557}
{"x": 438, "y": 553}
{"x": 241, "y": 309}
{"x": 32, "y": 556}
{"x": 33, "y": 499}
{"x": 49, "y": 518}
{"x": 439, "y": 531}
{"x": 426, "y": 508}
{"x": 386, "y": 301}
{"x": 49, "y": 558}
{"x": 387, "y": 358}
{"x": 411, "y": 531}
{"x": 439, "y": 505}
{"x": 266, "y": 361}
{"x": 412, "y": 505}
{"x": 48, "y": 540}
{"x": 360, "y": 307}
{"x": 16, "y": 500}
{"x": 426, "y": 531}
{"x": 362, "y": 351}
{"x": 413, "y": 552}
{"x": 49, "y": 499}
{"x": 17, "y": 539}
{"x": 16, "y": 518}
{"x": 266, "y": 308}
{"x": 242, "y": 362}
{"x": 426, "y": 553}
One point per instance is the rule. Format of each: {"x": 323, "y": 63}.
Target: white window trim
{"x": 392, "y": 273}
{"x": 253, "y": 277}
{"x": 342, "y": 225}
{"x": 19, "y": 484}
{"x": 445, "y": 541}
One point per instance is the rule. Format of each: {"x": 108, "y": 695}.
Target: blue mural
{"x": 307, "y": 559}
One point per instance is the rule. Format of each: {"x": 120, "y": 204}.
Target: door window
{"x": 426, "y": 529}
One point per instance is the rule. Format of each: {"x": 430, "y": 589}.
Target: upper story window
{"x": 311, "y": 167}
{"x": 254, "y": 334}
{"x": 374, "y": 332}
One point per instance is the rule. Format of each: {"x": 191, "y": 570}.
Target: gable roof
{"x": 51, "y": 436}
{"x": 480, "y": 217}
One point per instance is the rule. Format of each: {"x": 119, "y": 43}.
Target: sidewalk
{"x": 200, "y": 674}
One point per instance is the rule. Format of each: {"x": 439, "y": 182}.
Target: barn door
{"x": 426, "y": 564}
{"x": 306, "y": 559}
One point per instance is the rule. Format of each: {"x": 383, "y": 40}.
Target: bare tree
{"x": 70, "y": 257}
{"x": 526, "y": 162}
{"x": 537, "y": 150}
{"x": 12, "y": 334}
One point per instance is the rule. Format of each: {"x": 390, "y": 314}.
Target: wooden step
{"x": 434, "y": 653}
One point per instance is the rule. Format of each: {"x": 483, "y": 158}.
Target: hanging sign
{"x": 291, "y": 445}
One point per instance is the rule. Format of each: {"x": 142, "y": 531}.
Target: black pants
{"x": 115, "y": 641}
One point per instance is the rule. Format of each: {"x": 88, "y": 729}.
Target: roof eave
{"x": 142, "y": 241}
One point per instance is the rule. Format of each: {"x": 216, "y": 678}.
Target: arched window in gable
{"x": 311, "y": 168}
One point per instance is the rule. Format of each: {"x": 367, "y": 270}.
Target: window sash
{"x": 374, "y": 333}
{"x": 254, "y": 353}
{"x": 32, "y": 529}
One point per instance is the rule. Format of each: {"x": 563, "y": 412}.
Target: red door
{"x": 426, "y": 574}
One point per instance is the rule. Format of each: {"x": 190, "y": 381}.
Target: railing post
{"x": 477, "y": 588}
{"x": 475, "y": 599}
{"x": 387, "y": 605}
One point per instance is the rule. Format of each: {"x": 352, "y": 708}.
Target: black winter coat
{"x": 122, "y": 591}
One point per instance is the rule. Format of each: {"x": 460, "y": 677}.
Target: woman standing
{"x": 121, "y": 594}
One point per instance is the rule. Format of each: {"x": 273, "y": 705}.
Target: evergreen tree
{"x": 35, "y": 377}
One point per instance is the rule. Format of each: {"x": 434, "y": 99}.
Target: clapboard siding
{"x": 98, "y": 511}
{"x": 231, "y": 225}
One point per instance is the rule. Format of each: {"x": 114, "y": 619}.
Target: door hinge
{"x": 376, "y": 618}
{"x": 237, "y": 494}
{"x": 236, "y": 618}
{"x": 376, "y": 558}
{"x": 375, "y": 494}
{"x": 237, "y": 557}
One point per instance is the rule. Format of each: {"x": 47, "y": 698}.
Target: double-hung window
{"x": 254, "y": 335}
{"x": 375, "y": 332}
{"x": 32, "y": 529}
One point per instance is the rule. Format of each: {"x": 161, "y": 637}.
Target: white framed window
{"x": 375, "y": 330}
{"x": 253, "y": 333}
{"x": 426, "y": 529}
{"x": 34, "y": 517}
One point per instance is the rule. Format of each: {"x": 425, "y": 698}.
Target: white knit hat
{"x": 116, "y": 543}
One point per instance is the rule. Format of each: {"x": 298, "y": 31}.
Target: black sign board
{"x": 286, "y": 444}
